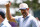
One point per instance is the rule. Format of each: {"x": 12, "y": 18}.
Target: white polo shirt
{"x": 29, "y": 21}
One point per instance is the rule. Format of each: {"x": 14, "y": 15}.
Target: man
{"x": 3, "y": 20}
{"x": 26, "y": 21}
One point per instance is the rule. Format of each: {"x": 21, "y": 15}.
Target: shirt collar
{"x": 27, "y": 17}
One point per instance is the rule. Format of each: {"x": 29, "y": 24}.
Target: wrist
{"x": 7, "y": 7}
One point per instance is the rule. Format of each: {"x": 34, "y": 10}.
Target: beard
{"x": 24, "y": 14}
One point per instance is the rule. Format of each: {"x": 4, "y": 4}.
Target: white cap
{"x": 23, "y": 6}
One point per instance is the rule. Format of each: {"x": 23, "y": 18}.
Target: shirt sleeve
{"x": 35, "y": 23}
{"x": 17, "y": 19}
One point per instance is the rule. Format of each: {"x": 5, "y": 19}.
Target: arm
{"x": 8, "y": 15}
{"x": 35, "y": 23}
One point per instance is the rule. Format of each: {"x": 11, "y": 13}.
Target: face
{"x": 24, "y": 12}
{"x": 1, "y": 18}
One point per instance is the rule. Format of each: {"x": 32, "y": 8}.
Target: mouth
{"x": 24, "y": 14}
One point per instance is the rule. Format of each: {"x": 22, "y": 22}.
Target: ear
{"x": 0, "y": 16}
{"x": 28, "y": 8}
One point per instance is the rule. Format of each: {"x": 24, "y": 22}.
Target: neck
{"x": 1, "y": 20}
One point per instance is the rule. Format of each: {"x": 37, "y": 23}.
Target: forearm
{"x": 8, "y": 13}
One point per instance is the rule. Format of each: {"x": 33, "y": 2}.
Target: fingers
{"x": 8, "y": 4}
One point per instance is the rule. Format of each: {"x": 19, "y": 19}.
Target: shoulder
{"x": 33, "y": 19}
{"x": 18, "y": 17}
{"x": 6, "y": 23}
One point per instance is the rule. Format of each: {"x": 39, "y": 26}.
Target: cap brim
{"x": 22, "y": 8}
